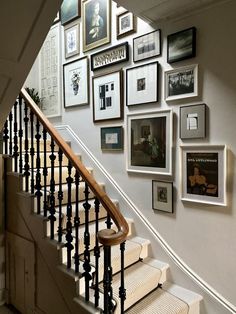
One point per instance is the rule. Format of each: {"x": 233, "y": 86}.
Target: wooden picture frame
{"x": 72, "y": 39}
{"x": 147, "y": 46}
{"x": 70, "y": 10}
{"x": 112, "y": 138}
{"x": 162, "y": 196}
{"x": 126, "y": 24}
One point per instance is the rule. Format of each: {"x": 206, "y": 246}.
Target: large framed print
{"x": 181, "y": 82}
{"x": 142, "y": 84}
{"x": 147, "y": 46}
{"x": 108, "y": 96}
{"x": 204, "y": 174}
{"x": 162, "y": 196}
{"x": 149, "y": 139}
{"x": 112, "y": 138}
{"x": 96, "y": 22}
{"x": 110, "y": 56}
{"x": 70, "y": 10}
{"x": 76, "y": 83}
{"x": 181, "y": 45}
{"x": 126, "y": 24}
{"x": 71, "y": 41}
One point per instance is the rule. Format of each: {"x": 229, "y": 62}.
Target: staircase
{"x": 106, "y": 262}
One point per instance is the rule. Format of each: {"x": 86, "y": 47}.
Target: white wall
{"x": 202, "y": 235}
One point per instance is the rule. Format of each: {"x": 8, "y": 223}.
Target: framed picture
{"x": 181, "y": 82}
{"x": 149, "y": 139}
{"x": 181, "y": 45}
{"x": 193, "y": 121}
{"x": 70, "y": 10}
{"x": 126, "y": 24}
{"x": 110, "y": 56}
{"x": 142, "y": 84}
{"x": 96, "y": 23}
{"x": 57, "y": 18}
{"x": 112, "y": 138}
{"x": 204, "y": 174}
{"x": 108, "y": 96}
{"x": 71, "y": 32}
{"x": 147, "y": 46}
{"x": 162, "y": 196}
{"x": 76, "y": 81}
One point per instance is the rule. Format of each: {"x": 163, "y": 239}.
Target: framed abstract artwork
{"x": 112, "y": 138}
{"x": 162, "y": 196}
{"x": 72, "y": 39}
{"x": 70, "y": 10}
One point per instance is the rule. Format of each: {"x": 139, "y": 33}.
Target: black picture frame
{"x": 181, "y": 45}
{"x": 162, "y": 196}
{"x": 70, "y": 10}
{"x": 150, "y": 44}
{"x": 112, "y": 138}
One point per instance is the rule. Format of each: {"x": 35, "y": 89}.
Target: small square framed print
{"x": 112, "y": 138}
{"x": 126, "y": 24}
{"x": 193, "y": 121}
{"x": 162, "y": 196}
{"x": 147, "y": 46}
{"x": 71, "y": 32}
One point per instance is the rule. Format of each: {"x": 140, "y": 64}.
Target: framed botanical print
{"x": 147, "y": 46}
{"x": 162, "y": 196}
{"x": 71, "y": 32}
{"x": 149, "y": 139}
{"x": 126, "y": 24}
{"x": 112, "y": 138}
{"x": 96, "y": 16}
{"x": 142, "y": 84}
{"x": 76, "y": 81}
{"x": 70, "y": 10}
{"x": 108, "y": 96}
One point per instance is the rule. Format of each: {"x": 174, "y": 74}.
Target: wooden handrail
{"x": 107, "y": 237}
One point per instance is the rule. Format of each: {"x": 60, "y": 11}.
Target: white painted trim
{"x": 177, "y": 260}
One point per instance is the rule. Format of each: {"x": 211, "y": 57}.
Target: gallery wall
{"x": 202, "y": 235}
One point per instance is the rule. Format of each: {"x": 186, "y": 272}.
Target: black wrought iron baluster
{"x": 60, "y": 195}
{"x": 96, "y": 253}
{"x": 52, "y": 211}
{"x": 108, "y": 222}
{"x": 26, "y": 166}
{"x": 77, "y": 221}
{"x": 32, "y": 151}
{"x": 38, "y": 185}
{"x": 122, "y": 290}
{"x": 107, "y": 280}
{"x": 10, "y": 134}
{"x": 69, "y": 237}
{"x": 86, "y": 265}
{"x": 15, "y": 147}
{"x": 20, "y": 135}
{"x": 45, "y": 173}
{"x": 6, "y": 137}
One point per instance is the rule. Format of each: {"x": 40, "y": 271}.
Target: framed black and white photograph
{"x": 76, "y": 83}
{"x": 193, "y": 121}
{"x": 96, "y": 23}
{"x": 181, "y": 82}
{"x": 108, "y": 96}
{"x": 126, "y": 24}
{"x": 110, "y": 56}
{"x": 149, "y": 139}
{"x": 70, "y": 10}
{"x": 112, "y": 138}
{"x": 71, "y": 39}
{"x": 162, "y": 196}
{"x": 204, "y": 174}
{"x": 147, "y": 46}
{"x": 181, "y": 45}
{"x": 142, "y": 84}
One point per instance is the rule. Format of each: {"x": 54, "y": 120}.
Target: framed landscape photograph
{"x": 142, "y": 84}
{"x": 96, "y": 23}
{"x": 126, "y": 24}
{"x": 76, "y": 83}
{"x": 70, "y": 10}
{"x": 193, "y": 121}
{"x": 162, "y": 196}
{"x": 204, "y": 174}
{"x": 112, "y": 138}
{"x": 181, "y": 82}
{"x": 71, "y": 32}
{"x": 181, "y": 45}
{"x": 108, "y": 96}
{"x": 149, "y": 140}
{"x": 147, "y": 46}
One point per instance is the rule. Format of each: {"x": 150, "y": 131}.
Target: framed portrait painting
{"x": 112, "y": 138}
{"x": 96, "y": 16}
{"x": 126, "y": 24}
{"x": 70, "y": 10}
{"x": 71, "y": 39}
{"x": 149, "y": 139}
{"x": 162, "y": 196}
{"x": 147, "y": 46}
{"x": 204, "y": 174}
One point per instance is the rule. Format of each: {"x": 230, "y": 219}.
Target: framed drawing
{"x": 76, "y": 81}
{"x": 181, "y": 82}
{"x": 149, "y": 139}
{"x": 96, "y": 23}
{"x": 181, "y": 45}
{"x": 142, "y": 84}
{"x": 110, "y": 56}
{"x": 70, "y": 10}
{"x": 108, "y": 96}
{"x": 162, "y": 196}
{"x": 193, "y": 121}
{"x": 112, "y": 138}
{"x": 204, "y": 174}
{"x": 71, "y": 32}
{"x": 147, "y": 46}
{"x": 126, "y": 24}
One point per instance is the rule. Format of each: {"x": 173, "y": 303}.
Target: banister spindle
{"x": 60, "y": 195}
{"x": 122, "y": 290}
{"x": 26, "y": 166}
{"x": 76, "y": 222}
{"x": 32, "y": 150}
{"x": 6, "y": 137}
{"x": 96, "y": 253}
{"x": 52, "y": 211}
{"x": 107, "y": 280}
{"x": 38, "y": 185}
{"x": 15, "y": 147}
{"x": 10, "y": 134}
{"x": 45, "y": 173}
{"x": 20, "y": 135}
